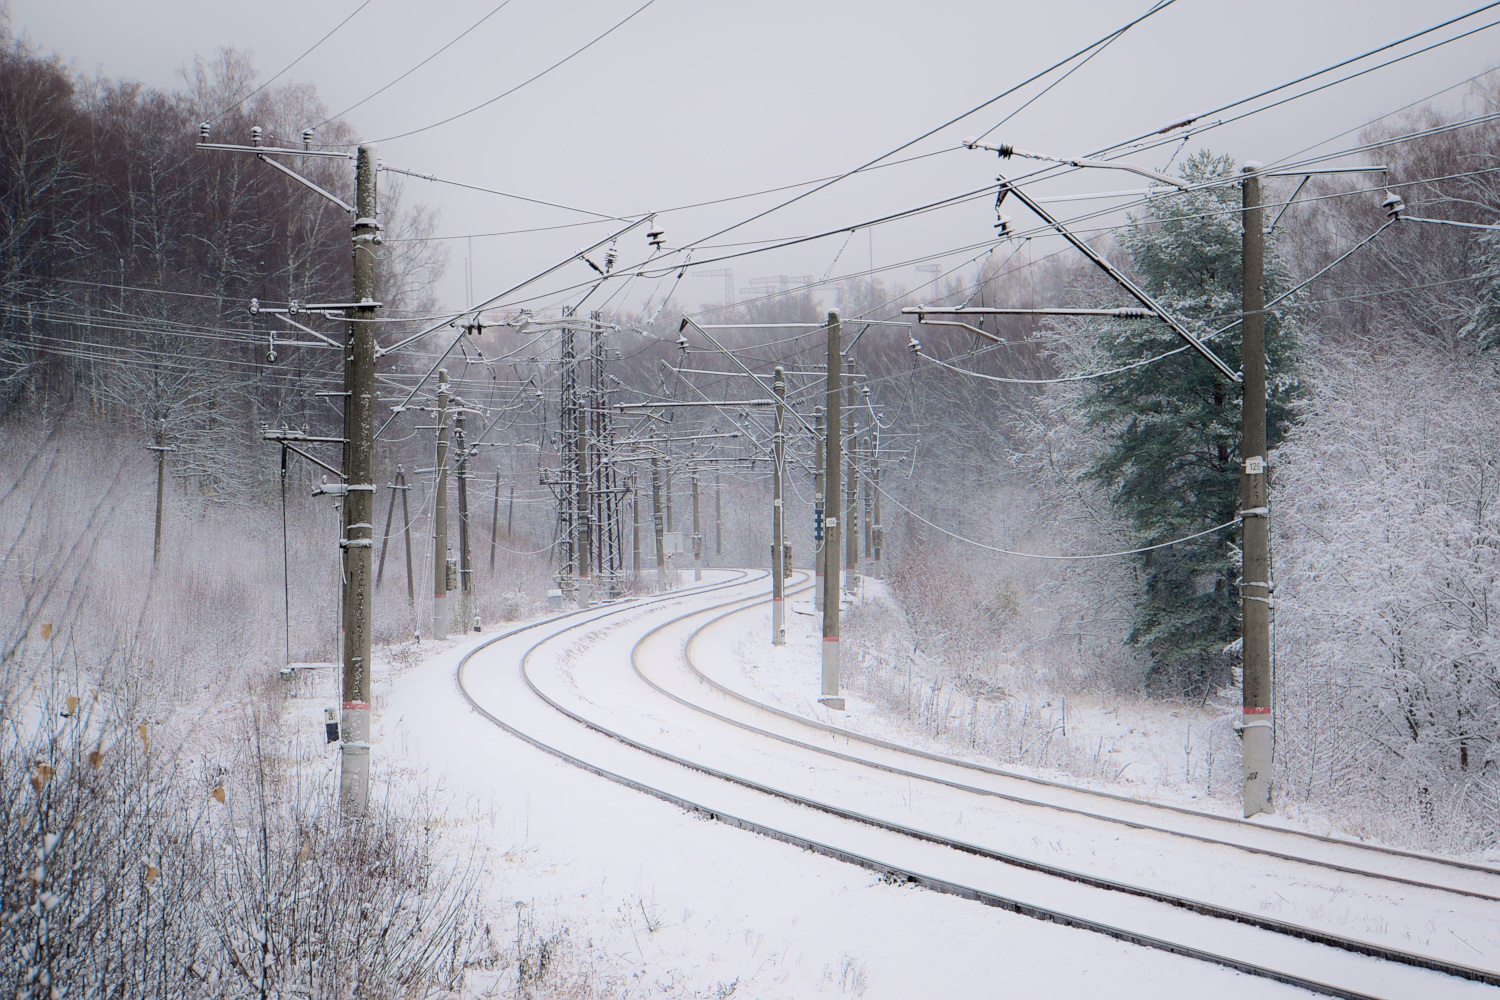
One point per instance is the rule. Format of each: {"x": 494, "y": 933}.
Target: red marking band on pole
{"x": 828, "y": 639}
{"x": 357, "y": 704}
{"x": 1251, "y": 710}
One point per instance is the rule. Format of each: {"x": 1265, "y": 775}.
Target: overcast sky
{"x": 690, "y": 101}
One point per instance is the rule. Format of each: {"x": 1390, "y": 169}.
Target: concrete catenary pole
{"x": 867, "y": 505}
{"x": 1255, "y": 590}
{"x": 440, "y": 517}
{"x": 583, "y": 497}
{"x": 635, "y": 524}
{"x": 658, "y": 524}
{"x": 359, "y": 502}
{"x": 411, "y": 583}
{"x": 718, "y": 515}
{"x": 161, "y": 448}
{"x": 778, "y": 525}
{"x": 877, "y": 531}
{"x": 849, "y": 524}
{"x": 668, "y": 481}
{"x": 465, "y": 564}
{"x": 697, "y": 528}
{"x": 495, "y": 523}
{"x": 820, "y": 511}
{"x": 832, "y": 459}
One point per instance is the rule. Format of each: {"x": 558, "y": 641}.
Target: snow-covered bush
{"x": 1387, "y": 553}
{"x": 127, "y": 871}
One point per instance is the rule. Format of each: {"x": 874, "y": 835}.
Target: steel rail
{"x": 1019, "y": 799}
{"x": 1098, "y": 882}
{"x": 1114, "y": 796}
{"x": 889, "y": 870}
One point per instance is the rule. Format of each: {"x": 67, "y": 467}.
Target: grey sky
{"x": 693, "y": 101}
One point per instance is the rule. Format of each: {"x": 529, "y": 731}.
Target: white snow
{"x": 653, "y": 900}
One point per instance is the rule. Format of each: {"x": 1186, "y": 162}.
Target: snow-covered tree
{"x": 1388, "y": 543}
{"x": 1173, "y": 427}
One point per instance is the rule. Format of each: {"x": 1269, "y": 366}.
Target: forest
{"x": 128, "y": 259}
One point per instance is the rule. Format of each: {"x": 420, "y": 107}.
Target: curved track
{"x": 1448, "y": 874}
{"x": 839, "y": 804}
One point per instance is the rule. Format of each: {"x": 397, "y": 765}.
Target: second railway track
{"x": 718, "y": 784}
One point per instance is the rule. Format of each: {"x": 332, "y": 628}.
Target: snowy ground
{"x": 637, "y": 897}
{"x": 1149, "y": 750}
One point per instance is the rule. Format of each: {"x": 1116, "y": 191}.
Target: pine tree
{"x": 1173, "y": 460}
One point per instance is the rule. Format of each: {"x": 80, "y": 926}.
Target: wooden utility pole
{"x": 1255, "y": 589}
{"x": 440, "y": 517}
{"x": 833, "y": 457}
{"x": 161, "y": 448}
{"x": 465, "y": 566}
{"x": 385, "y": 537}
{"x": 697, "y": 528}
{"x": 359, "y": 501}
{"x": 397, "y": 487}
{"x": 657, "y": 522}
{"x": 778, "y": 532}
{"x": 820, "y": 513}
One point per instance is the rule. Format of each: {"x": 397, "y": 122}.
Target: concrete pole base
{"x": 837, "y": 704}
{"x": 1256, "y": 732}
{"x": 831, "y": 665}
{"x": 354, "y": 762}
{"x": 440, "y": 617}
{"x": 778, "y": 622}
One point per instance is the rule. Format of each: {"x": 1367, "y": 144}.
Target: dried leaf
{"x": 96, "y": 758}
{"x": 72, "y": 704}
{"x": 219, "y": 795}
{"x": 41, "y": 776}
{"x": 145, "y": 736}
{"x": 152, "y": 874}
{"x": 46, "y": 630}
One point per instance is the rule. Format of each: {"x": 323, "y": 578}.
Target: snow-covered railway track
{"x": 938, "y": 862}
{"x": 1376, "y": 861}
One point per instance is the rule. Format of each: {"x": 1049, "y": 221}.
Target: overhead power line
{"x": 294, "y": 62}
{"x": 1350, "y": 61}
{"x": 519, "y": 197}
{"x": 495, "y": 10}
{"x": 529, "y": 80}
{"x": 1057, "y": 558}
{"x": 950, "y": 122}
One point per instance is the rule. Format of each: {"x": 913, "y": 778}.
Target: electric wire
{"x": 294, "y": 62}
{"x": 493, "y": 11}
{"x": 529, "y": 80}
{"x": 1058, "y": 558}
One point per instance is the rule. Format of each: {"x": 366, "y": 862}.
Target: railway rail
{"x": 903, "y": 853}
